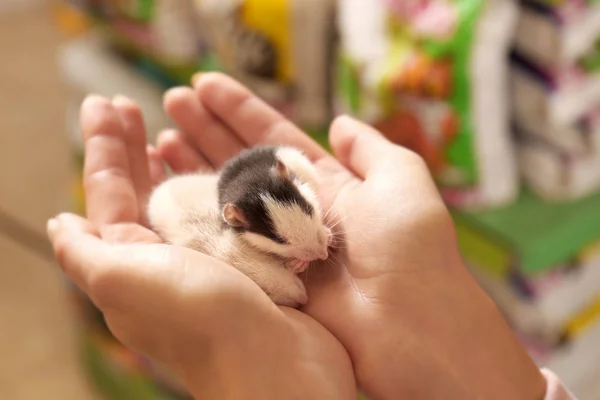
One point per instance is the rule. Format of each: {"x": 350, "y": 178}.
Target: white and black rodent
{"x": 261, "y": 215}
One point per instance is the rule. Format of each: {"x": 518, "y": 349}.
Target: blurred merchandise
{"x": 160, "y": 36}
{"x": 431, "y": 75}
{"x": 88, "y": 66}
{"x": 557, "y": 32}
{"x": 554, "y": 100}
{"x": 70, "y": 18}
{"x": 264, "y": 44}
{"x": 540, "y": 263}
{"x": 281, "y": 49}
{"x": 556, "y": 174}
{"x": 576, "y": 359}
{"x": 555, "y": 86}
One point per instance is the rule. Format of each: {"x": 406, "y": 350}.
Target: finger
{"x": 109, "y": 192}
{"x": 135, "y": 139}
{"x": 365, "y": 151}
{"x": 97, "y": 267}
{"x": 214, "y": 139}
{"x": 175, "y": 150}
{"x": 155, "y": 165}
{"x": 250, "y": 118}
{"x": 77, "y": 247}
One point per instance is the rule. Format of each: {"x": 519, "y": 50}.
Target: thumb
{"x": 77, "y": 247}
{"x": 364, "y": 150}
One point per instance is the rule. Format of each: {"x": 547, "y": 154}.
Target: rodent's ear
{"x": 282, "y": 170}
{"x": 234, "y": 216}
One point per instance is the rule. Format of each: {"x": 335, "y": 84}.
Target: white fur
{"x": 176, "y": 199}
{"x": 306, "y": 233}
{"x": 299, "y": 164}
{"x": 307, "y": 191}
{"x": 184, "y": 211}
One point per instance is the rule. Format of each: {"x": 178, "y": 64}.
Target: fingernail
{"x": 150, "y": 149}
{"x": 346, "y": 120}
{"x": 121, "y": 99}
{"x": 94, "y": 99}
{"x": 52, "y": 227}
{"x": 196, "y": 77}
{"x": 167, "y": 134}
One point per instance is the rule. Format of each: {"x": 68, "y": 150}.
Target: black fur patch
{"x": 245, "y": 178}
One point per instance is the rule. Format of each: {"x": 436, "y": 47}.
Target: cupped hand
{"x": 205, "y": 320}
{"x": 395, "y": 292}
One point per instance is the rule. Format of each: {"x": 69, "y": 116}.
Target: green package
{"x": 430, "y": 75}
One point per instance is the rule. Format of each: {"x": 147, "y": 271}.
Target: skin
{"x": 396, "y": 294}
{"x": 142, "y": 285}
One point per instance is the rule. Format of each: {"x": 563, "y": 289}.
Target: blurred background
{"x": 500, "y": 97}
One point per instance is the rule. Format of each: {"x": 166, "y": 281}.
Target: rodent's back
{"x": 248, "y": 170}
{"x": 184, "y": 211}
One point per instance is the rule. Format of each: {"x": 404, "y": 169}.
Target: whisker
{"x": 342, "y": 234}
{"x": 329, "y": 210}
{"x": 331, "y": 263}
{"x": 332, "y": 215}
{"x": 335, "y": 263}
{"x": 339, "y": 222}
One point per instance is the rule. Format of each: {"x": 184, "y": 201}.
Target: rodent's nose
{"x": 323, "y": 255}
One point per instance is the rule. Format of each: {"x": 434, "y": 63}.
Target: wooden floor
{"x": 38, "y": 353}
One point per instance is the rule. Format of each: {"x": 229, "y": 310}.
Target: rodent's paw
{"x": 292, "y": 295}
{"x": 297, "y": 265}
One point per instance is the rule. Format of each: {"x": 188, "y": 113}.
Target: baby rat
{"x": 260, "y": 214}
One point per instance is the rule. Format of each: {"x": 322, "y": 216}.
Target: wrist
{"x": 471, "y": 353}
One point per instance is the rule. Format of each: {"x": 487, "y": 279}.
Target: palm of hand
{"x": 221, "y": 118}
{"x": 131, "y": 268}
{"x": 369, "y": 230}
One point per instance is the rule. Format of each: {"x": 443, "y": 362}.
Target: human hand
{"x": 397, "y": 294}
{"x": 204, "y": 320}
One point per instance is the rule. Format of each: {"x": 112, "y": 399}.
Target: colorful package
{"x": 543, "y": 256}
{"x": 556, "y": 105}
{"x": 281, "y": 49}
{"x": 579, "y": 139}
{"x": 556, "y": 101}
{"x": 431, "y": 75}
{"x": 556, "y": 175}
{"x": 559, "y": 105}
{"x": 539, "y": 261}
{"x": 557, "y": 32}
{"x": 575, "y": 360}
{"x": 528, "y": 237}
{"x": 544, "y": 305}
